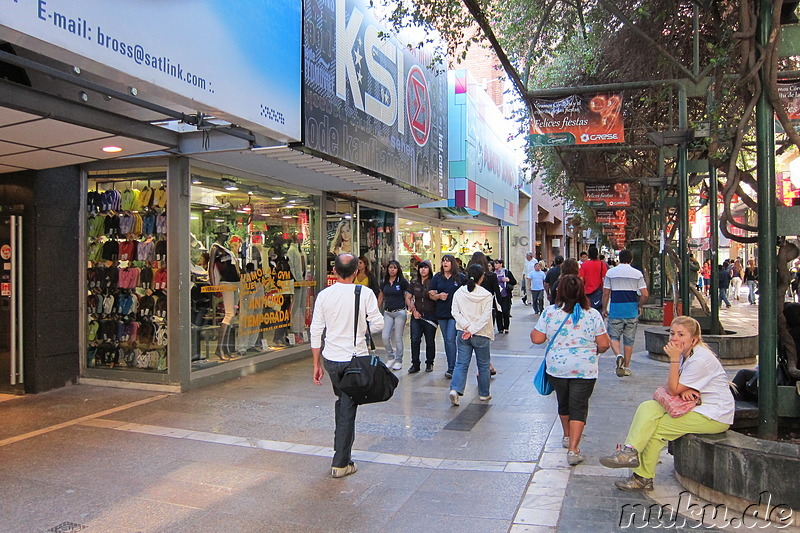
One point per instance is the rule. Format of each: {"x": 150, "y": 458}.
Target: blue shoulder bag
{"x": 540, "y": 380}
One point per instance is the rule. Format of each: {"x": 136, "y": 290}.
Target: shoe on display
{"x": 574, "y": 458}
{"x": 414, "y": 369}
{"x": 398, "y": 365}
{"x": 565, "y": 442}
{"x": 454, "y": 399}
{"x": 623, "y": 457}
{"x": 428, "y": 367}
{"x": 620, "y": 369}
{"x": 635, "y": 483}
{"x": 344, "y": 471}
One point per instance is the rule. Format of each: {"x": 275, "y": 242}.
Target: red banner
{"x": 607, "y": 195}
{"x": 611, "y": 217}
{"x": 577, "y": 119}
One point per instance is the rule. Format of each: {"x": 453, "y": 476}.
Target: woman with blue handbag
{"x": 577, "y": 337}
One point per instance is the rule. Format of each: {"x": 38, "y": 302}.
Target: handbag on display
{"x": 675, "y": 406}
{"x": 540, "y": 380}
{"x": 366, "y": 378}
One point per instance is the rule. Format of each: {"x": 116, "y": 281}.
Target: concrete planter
{"x": 741, "y": 472}
{"x": 732, "y": 348}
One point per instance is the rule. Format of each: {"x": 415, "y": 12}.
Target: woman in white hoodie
{"x": 472, "y": 311}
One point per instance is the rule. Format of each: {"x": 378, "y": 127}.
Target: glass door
{"x": 11, "y": 353}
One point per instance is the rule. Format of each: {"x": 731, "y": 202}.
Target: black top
{"x": 422, "y": 300}
{"x": 751, "y": 274}
{"x": 394, "y": 294}
{"x": 450, "y": 285}
{"x": 552, "y": 279}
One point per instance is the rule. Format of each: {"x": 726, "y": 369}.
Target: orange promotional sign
{"x": 611, "y": 217}
{"x": 577, "y": 119}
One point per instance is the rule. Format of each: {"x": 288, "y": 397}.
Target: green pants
{"x": 652, "y": 427}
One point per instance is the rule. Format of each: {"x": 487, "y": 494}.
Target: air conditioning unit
{"x": 556, "y": 243}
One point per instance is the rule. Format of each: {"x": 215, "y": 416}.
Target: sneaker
{"x": 398, "y": 365}
{"x": 344, "y": 471}
{"x": 620, "y": 366}
{"x": 565, "y": 442}
{"x": 448, "y": 375}
{"x": 628, "y": 372}
{"x": 485, "y": 398}
{"x": 623, "y": 457}
{"x": 414, "y": 369}
{"x": 428, "y": 367}
{"x": 635, "y": 483}
{"x": 574, "y": 458}
{"x": 454, "y": 399}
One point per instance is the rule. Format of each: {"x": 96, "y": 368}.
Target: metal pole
{"x": 767, "y": 242}
{"x": 683, "y": 209}
{"x": 714, "y": 246}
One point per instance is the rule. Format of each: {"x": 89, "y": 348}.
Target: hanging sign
{"x": 5, "y": 289}
{"x": 577, "y": 119}
{"x": 607, "y": 194}
{"x": 611, "y": 217}
{"x": 5, "y": 252}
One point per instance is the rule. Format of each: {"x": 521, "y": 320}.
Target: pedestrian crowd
{"x": 594, "y": 305}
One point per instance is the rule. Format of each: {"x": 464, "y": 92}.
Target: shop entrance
{"x": 11, "y": 354}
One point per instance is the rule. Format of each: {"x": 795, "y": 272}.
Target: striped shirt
{"x": 625, "y": 283}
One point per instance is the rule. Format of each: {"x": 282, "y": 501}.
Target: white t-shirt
{"x": 704, "y": 373}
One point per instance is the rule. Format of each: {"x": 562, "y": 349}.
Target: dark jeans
{"x": 420, "y": 327}
{"x": 345, "y": 409}
{"x": 723, "y": 296}
{"x": 537, "y": 301}
{"x": 504, "y": 315}
{"x": 573, "y": 396}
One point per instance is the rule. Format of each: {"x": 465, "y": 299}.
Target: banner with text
{"x": 607, "y": 194}
{"x": 369, "y": 99}
{"x": 611, "y": 217}
{"x": 238, "y": 60}
{"x": 577, "y": 119}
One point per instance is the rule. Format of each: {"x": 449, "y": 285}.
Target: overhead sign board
{"x": 607, "y": 194}
{"x": 580, "y": 119}
{"x": 371, "y": 100}
{"x": 238, "y": 60}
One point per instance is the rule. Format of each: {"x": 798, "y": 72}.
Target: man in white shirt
{"x": 526, "y": 283}
{"x": 336, "y": 317}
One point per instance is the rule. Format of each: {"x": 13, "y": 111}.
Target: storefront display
{"x": 377, "y": 238}
{"x": 417, "y": 242}
{"x": 252, "y": 268}
{"x": 462, "y": 243}
{"x": 126, "y": 283}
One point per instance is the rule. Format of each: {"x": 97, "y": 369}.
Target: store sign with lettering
{"x": 611, "y": 217}
{"x": 607, "y": 195}
{"x": 371, "y": 100}
{"x": 239, "y": 61}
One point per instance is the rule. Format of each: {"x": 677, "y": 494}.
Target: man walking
{"x": 526, "y": 283}
{"x": 551, "y": 279}
{"x": 593, "y": 272}
{"x": 625, "y": 289}
{"x": 334, "y": 314}
{"x": 536, "y": 282}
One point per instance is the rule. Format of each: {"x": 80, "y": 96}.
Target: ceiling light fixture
{"x": 277, "y": 197}
{"x": 229, "y": 184}
{"x": 112, "y": 149}
{"x": 196, "y": 180}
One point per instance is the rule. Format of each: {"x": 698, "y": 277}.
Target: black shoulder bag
{"x": 367, "y": 379}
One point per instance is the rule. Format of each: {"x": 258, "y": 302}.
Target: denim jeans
{"x": 345, "y": 416}
{"x": 479, "y": 345}
{"x": 394, "y": 322}
{"x": 420, "y": 327}
{"x": 723, "y": 296}
{"x": 448, "y": 326}
{"x": 751, "y": 296}
{"x": 537, "y": 301}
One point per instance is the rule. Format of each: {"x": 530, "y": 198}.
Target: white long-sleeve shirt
{"x": 334, "y": 313}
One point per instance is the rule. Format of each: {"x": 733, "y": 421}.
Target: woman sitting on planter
{"x": 694, "y": 373}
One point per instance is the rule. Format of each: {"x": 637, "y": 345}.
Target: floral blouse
{"x": 574, "y": 352}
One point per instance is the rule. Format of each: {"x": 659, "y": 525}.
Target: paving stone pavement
{"x": 253, "y": 454}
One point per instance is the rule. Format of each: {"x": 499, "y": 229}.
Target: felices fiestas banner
{"x": 577, "y": 119}
{"x": 607, "y": 194}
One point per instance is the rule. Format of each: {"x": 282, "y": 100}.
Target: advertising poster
{"x": 577, "y": 119}
{"x": 611, "y": 217}
{"x": 607, "y": 194}
{"x": 217, "y": 56}
{"x": 369, "y": 99}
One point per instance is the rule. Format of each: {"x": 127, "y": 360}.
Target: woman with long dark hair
{"x": 393, "y": 294}
{"x": 577, "y": 337}
{"x": 472, "y": 311}
{"x": 423, "y": 317}
{"x": 443, "y": 285}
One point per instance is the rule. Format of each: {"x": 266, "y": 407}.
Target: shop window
{"x": 377, "y": 239}
{"x": 253, "y": 268}
{"x": 127, "y": 271}
{"x": 462, "y": 243}
{"x": 417, "y": 243}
